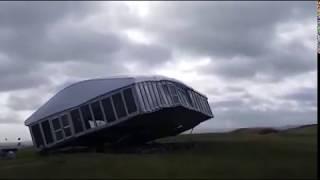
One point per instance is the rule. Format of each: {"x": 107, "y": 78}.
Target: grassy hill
{"x": 240, "y": 154}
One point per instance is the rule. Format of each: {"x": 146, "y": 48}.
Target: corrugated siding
{"x": 155, "y": 95}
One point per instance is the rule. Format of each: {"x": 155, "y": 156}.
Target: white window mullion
{"x": 103, "y": 113}
{"x": 124, "y": 102}
{"x": 92, "y": 115}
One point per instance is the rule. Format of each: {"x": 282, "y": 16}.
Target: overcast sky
{"x": 255, "y": 61}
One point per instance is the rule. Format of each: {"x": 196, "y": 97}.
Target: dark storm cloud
{"x": 30, "y": 14}
{"x": 14, "y": 82}
{"x": 224, "y": 28}
{"x": 35, "y": 35}
{"x": 23, "y": 28}
{"x": 16, "y": 75}
{"x": 30, "y": 24}
{"x": 226, "y": 31}
{"x": 273, "y": 66}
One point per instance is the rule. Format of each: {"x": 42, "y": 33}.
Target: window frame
{"x": 55, "y": 131}
{"x": 68, "y": 126}
{"x": 174, "y": 93}
{"x": 130, "y": 89}
{"x": 38, "y": 146}
{"x": 166, "y": 92}
{"x": 123, "y": 103}
{"x": 44, "y": 134}
{"x": 93, "y": 114}
{"x": 108, "y": 98}
{"x": 81, "y": 121}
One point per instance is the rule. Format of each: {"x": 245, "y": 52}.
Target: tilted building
{"x": 117, "y": 110}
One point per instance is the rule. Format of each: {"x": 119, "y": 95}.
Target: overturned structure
{"x": 123, "y": 110}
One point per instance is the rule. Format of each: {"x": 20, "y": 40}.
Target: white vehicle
{"x": 9, "y": 149}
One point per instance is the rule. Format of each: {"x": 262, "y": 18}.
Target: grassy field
{"x": 287, "y": 154}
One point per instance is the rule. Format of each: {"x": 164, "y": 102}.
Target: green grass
{"x": 288, "y": 154}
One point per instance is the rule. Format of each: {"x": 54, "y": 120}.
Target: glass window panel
{"x": 190, "y": 98}
{"x": 187, "y": 93}
{"x": 184, "y": 96}
{"x": 128, "y": 97}
{"x": 166, "y": 92}
{"x": 140, "y": 99}
{"x": 119, "y": 106}
{"x": 148, "y": 96}
{"x": 155, "y": 92}
{"x": 87, "y": 117}
{"x": 194, "y": 99}
{"x": 153, "y": 98}
{"x": 198, "y": 101}
{"x": 47, "y": 132}
{"x": 59, "y": 135}
{"x": 201, "y": 103}
{"x": 76, "y": 120}
{"x": 108, "y": 110}
{"x": 67, "y": 131}
{"x": 181, "y": 98}
{"x": 174, "y": 93}
{"x": 209, "y": 108}
{"x": 160, "y": 94}
{"x": 144, "y": 96}
{"x": 35, "y": 129}
{"x": 65, "y": 120}
{"x": 183, "y": 92}
{"x": 150, "y": 93}
{"x": 205, "y": 103}
{"x": 56, "y": 124}
{"x": 97, "y": 113}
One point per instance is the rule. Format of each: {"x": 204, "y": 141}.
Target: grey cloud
{"x": 274, "y": 66}
{"x": 33, "y": 36}
{"x": 149, "y": 55}
{"x": 39, "y": 14}
{"x": 21, "y": 79}
{"x": 235, "y": 103}
{"x": 233, "y": 69}
{"x": 71, "y": 44}
{"x": 23, "y": 28}
{"x": 28, "y": 102}
{"x": 103, "y": 68}
{"x": 240, "y": 101}
{"x": 9, "y": 119}
{"x": 237, "y": 114}
{"x": 251, "y": 118}
{"x": 305, "y": 96}
{"x": 16, "y": 82}
{"x": 224, "y": 28}
{"x": 225, "y": 31}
